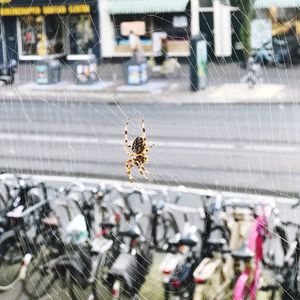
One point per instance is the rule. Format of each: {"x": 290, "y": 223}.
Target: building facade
{"x": 179, "y": 19}
{"x": 33, "y": 29}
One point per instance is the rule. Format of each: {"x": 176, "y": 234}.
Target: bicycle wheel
{"x": 40, "y": 278}
{"x": 11, "y": 256}
{"x": 101, "y": 289}
{"x": 118, "y": 291}
{"x": 89, "y": 286}
{"x": 166, "y": 229}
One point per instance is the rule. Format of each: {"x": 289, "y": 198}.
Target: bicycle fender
{"x": 206, "y": 268}
{"x": 240, "y": 286}
{"x": 26, "y": 261}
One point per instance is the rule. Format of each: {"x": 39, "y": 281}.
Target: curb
{"x": 113, "y": 96}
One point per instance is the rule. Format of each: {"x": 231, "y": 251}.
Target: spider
{"x": 139, "y": 153}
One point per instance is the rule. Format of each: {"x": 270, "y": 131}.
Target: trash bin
{"x": 198, "y": 63}
{"x": 135, "y": 72}
{"x": 48, "y": 71}
{"x": 85, "y": 68}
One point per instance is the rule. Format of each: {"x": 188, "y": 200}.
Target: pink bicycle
{"x": 251, "y": 254}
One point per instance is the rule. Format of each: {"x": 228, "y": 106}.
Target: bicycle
{"x": 22, "y": 235}
{"x": 215, "y": 273}
{"x": 130, "y": 268}
{"x": 179, "y": 265}
{"x": 83, "y": 264}
{"x": 160, "y": 225}
{"x": 71, "y": 259}
{"x": 286, "y": 269}
{"x": 251, "y": 254}
{"x": 184, "y": 250}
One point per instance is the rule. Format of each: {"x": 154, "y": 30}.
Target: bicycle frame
{"x": 248, "y": 281}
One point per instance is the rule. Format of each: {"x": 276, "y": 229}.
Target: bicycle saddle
{"x": 189, "y": 241}
{"x": 107, "y": 225}
{"x": 51, "y": 221}
{"x": 243, "y": 253}
{"x": 132, "y": 233}
{"x": 216, "y": 244}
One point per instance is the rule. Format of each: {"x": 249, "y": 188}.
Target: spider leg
{"x": 128, "y": 166}
{"x": 126, "y": 145}
{"x": 142, "y": 166}
{"x": 144, "y": 132}
{"x": 139, "y": 166}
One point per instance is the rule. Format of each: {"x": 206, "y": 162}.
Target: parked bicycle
{"x": 189, "y": 249}
{"x": 282, "y": 257}
{"x": 74, "y": 263}
{"x": 215, "y": 274}
{"x": 251, "y": 255}
{"x": 22, "y": 233}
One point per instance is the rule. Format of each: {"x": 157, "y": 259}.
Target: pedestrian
{"x": 42, "y": 45}
{"x": 136, "y": 46}
{"x": 159, "y": 47}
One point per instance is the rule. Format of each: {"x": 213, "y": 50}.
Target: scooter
{"x": 7, "y": 72}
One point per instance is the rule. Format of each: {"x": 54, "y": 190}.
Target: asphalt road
{"x": 237, "y": 147}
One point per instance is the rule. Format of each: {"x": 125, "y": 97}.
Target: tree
{"x": 247, "y": 12}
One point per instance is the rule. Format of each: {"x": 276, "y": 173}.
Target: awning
{"x": 278, "y": 3}
{"x": 146, "y": 6}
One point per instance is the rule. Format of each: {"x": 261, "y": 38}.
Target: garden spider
{"x": 139, "y": 153}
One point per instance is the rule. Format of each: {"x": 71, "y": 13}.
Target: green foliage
{"x": 247, "y": 13}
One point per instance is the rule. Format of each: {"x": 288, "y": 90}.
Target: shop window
{"x": 54, "y": 34}
{"x": 41, "y": 35}
{"x": 81, "y": 34}
{"x": 31, "y": 31}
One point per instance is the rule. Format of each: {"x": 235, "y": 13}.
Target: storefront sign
{"x": 20, "y": 11}
{"x": 46, "y": 10}
{"x": 180, "y": 21}
{"x": 55, "y": 9}
{"x": 138, "y": 27}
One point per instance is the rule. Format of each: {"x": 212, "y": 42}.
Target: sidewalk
{"x": 280, "y": 86}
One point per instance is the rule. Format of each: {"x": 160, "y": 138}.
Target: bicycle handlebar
{"x": 235, "y": 204}
{"x": 187, "y": 210}
{"x": 297, "y": 203}
{"x": 290, "y": 223}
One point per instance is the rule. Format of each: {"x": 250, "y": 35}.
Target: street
{"x": 235, "y": 147}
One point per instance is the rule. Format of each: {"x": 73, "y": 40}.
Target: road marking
{"x": 222, "y": 146}
{"x": 279, "y": 148}
{"x": 48, "y": 138}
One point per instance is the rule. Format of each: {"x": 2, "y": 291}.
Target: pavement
{"x": 279, "y": 86}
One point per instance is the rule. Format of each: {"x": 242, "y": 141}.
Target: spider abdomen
{"x": 138, "y": 145}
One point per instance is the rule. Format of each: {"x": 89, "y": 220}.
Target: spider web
{"x": 237, "y": 147}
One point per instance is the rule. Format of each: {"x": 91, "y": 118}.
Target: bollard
{"x": 198, "y": 63}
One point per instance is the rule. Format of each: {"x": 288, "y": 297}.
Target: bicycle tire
{"x": 170, "y": 229}
{"x": 7, "y": 241}
{"x": 39, "y": 278}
